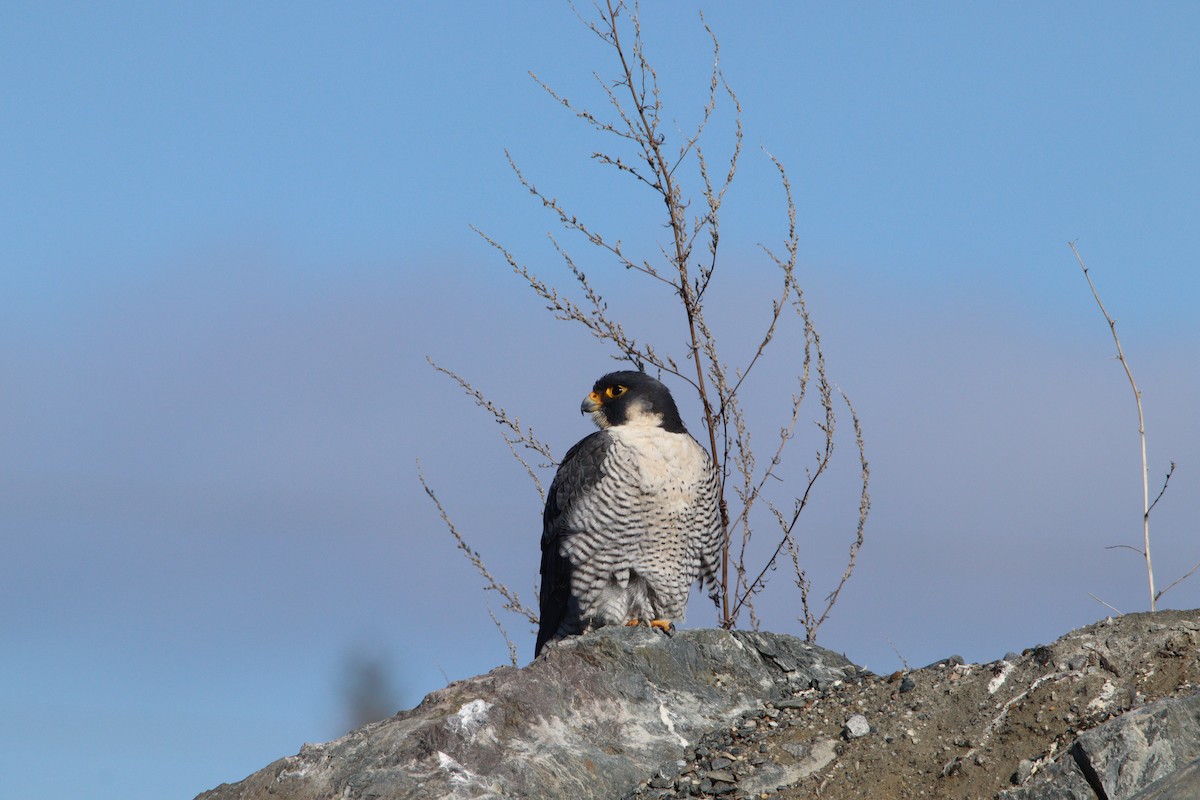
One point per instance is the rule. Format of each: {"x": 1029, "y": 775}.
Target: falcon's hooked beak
{"x": 591, "y": 405}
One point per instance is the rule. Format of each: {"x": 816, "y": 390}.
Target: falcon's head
{"x": 632, "y": 398}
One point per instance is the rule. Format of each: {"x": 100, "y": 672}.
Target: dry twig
{"x": 511, "y": 601}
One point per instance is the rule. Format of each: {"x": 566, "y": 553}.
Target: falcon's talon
{"x": 633, "y": 622}
{"x": 664, "y": 625}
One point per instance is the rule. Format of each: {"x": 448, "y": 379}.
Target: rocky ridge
{"x": 1108, "y": 711}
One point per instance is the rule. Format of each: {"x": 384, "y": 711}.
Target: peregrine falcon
{"x": 631, "y": 519}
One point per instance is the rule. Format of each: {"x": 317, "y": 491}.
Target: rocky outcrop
{"x": 589, "y": 719}
{"x": 1109, "y": 711}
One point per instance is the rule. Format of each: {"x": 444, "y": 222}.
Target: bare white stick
{"x": 1137, "y": 395}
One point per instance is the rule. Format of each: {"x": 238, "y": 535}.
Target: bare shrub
{"x": 655, "y": 157}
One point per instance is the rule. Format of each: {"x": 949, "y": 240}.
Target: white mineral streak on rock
{"x": 1101, "y": 701}
{"x": 995, "y": 683}
{"x": 809, "y": 759}
{"x": 459, "y": 775}
{"x": 665, "y": 715}
{"x": 470, "y": 719}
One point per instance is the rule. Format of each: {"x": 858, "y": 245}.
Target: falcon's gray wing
{"x": 578, "y": 474}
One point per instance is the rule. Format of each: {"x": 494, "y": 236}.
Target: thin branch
{"x": 567, "y": 310}
{"x": 512, "y": 647}
{"x": 1120, "y": 613}
{"x": 788, "y": 268}
{"x": 518, "y": 435}
{"x": 1137, "y": 395}
{"x": 572, "y": 222}
{"x": 511, "y": 601}
{"x": 1180, "y": 579}
{"x": 1163, "y": 490}
{"x": 899, "y": 655}
{"x": 864, "y": 509}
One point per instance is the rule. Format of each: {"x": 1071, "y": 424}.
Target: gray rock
{"x": 1067, "y": 786}
{"x": 592, "y": 718}
{"x": 661, "y": 782}
{"x": 1149, "y": 747}
{"x": 1144, "y": 745}
{"x": 857, "y": 727}
{"x": 1024, "y": 770}
{"x": 1181, "y": 783}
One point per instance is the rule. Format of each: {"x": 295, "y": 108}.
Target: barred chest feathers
{"x": 670, "y": 466}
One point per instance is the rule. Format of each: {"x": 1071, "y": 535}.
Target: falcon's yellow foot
{"x": 664, "y": 625}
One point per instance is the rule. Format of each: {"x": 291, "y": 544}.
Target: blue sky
{"x": 233, "y": 233}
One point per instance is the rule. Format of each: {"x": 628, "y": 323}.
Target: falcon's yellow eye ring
{"x": 613, "y": 392}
